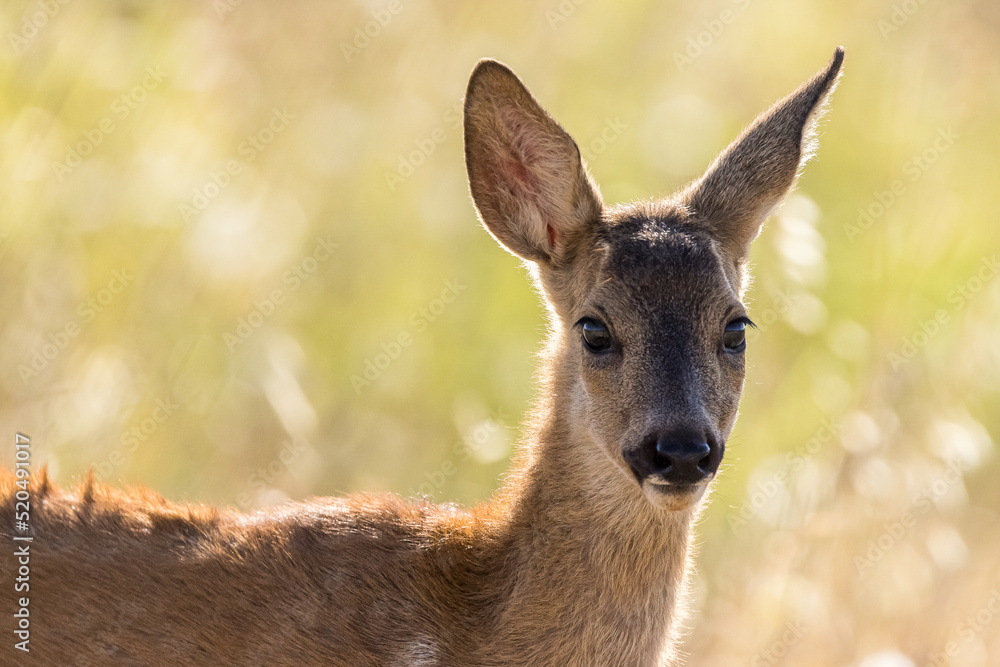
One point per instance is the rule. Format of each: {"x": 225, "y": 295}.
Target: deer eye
{"x": 734, "y": 337}
{"x": 596, "y": 336}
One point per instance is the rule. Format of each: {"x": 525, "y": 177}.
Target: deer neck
{"x": 580, "y": 526}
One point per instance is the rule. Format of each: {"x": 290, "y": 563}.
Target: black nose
{"x": 683, "y": 461}
{"x": 679, "y": 456}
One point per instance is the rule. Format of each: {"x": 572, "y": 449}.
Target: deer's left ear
{"x": 751, "y": 177}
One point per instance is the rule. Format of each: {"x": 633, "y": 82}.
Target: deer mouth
{"x": 672, "y": 496}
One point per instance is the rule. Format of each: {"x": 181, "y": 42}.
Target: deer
{"x": 582, "y": 556}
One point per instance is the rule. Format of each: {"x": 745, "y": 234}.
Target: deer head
{"x": 645, "y": 298}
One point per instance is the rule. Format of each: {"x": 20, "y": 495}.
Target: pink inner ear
{"x": 524, "y": 149}
{"x": 523, "y": 163}
{"x": 517, "y": 175}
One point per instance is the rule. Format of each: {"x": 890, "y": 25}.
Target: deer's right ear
{"x": 530, "y": 186}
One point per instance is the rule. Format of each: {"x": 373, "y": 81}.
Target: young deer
{"x": 579, "y": 559}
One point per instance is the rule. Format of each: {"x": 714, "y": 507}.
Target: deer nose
{"x": 683, "y": 461}
{"x": 676, "y": 457}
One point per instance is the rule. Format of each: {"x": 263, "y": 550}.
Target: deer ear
{"x": 751, "y": 177}
{"x": 528, "y": 182}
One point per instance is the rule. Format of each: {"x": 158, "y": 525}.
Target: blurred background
{"x": 239, "y": 264}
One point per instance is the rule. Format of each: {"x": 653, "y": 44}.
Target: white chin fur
{"x": 672, "y": 498}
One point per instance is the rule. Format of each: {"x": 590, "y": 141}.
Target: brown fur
{"x": 577, "y": 560}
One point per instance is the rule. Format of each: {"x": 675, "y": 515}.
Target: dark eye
{"x": 596, "y": 336}
{"x": 734, "y": 338}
